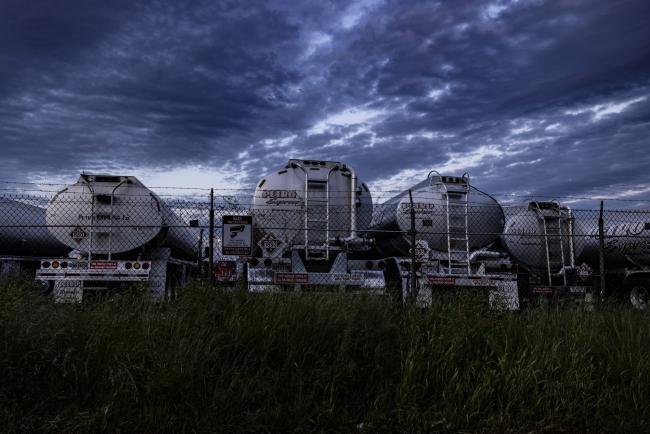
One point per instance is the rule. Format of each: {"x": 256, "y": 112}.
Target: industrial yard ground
{"x": 234, "y": 362}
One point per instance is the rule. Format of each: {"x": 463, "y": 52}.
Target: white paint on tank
{"x": 23, "y": 231}
{"x": 282, "y": 208}
{"x": 392, "y": 220}
{"x": 523, "y": 237}
{"x": 116, "y": 214}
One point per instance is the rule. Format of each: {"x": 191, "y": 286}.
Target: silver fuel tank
{"x": 102, "y": 214}
{"x": 442, "y": 204}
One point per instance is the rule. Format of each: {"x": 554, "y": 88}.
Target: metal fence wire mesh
{"x": 329, "y": 240}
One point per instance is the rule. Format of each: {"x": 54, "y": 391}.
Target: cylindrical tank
{"x": 524, "y": 238}
{"x": 316, "y": 200}
{"x": 392, "y": 220}
{"x": 626, "y": 244}
{"x": 104, "y": 213}
{"x": 23, "y": 231}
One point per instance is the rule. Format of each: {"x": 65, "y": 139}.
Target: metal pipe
{"x": 434, "y": 172}
{"x": 327, "y": 206}
{"x": 572, "y": 259}
{"x": 601, "y": 251}
{"x": 353, "y": 203}
{"x": 211, "y": 240}
{"x": 306, "y": 199}
{"x": 92, "y": 218}
{"x": 199, "y": 256}
{"x": 110, "y": 222}
{"x": 486, "y": 253}
{"x": 414, "y": 286}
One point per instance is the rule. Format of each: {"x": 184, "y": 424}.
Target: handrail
{"x": 110, "y": 222}
{"x": 306, "y": 199}
{"x": 92, "y": 219}
{"x": 353, "y": 201}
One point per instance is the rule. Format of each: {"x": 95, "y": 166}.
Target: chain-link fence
{"x": 411, "y": 245}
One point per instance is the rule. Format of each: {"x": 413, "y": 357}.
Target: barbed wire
{"x": 375, "y": 193}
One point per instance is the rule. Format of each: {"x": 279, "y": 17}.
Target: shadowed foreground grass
{"x": 215, "y": 362}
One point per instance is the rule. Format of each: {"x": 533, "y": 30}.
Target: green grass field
{"x": 219, "y": 362}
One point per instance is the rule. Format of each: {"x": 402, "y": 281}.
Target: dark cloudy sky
{"x": 529, "y": 96}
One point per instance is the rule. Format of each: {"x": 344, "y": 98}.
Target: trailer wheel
{"x": 638, "y": 294}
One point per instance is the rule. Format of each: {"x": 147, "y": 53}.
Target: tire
{"x": 638, "y": 294}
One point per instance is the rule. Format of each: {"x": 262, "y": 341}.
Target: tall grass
{"x": 235, "y": 362}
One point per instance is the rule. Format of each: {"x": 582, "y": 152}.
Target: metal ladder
{"x": 553, "y": 243}
{"x": 457, "y": 210}
{"x": 317, "y": 219}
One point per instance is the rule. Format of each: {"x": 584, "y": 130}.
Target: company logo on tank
{"x": 628, "y": 247}
{"x": 281, "y": 197}
{"x": 623, "y": 238}
{"x": 419, "y": 207}
{"x": 99, "y": 217}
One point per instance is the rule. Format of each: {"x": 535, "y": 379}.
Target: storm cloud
{"x": 530, "y": 97}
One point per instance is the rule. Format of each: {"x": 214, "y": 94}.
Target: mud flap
{"x": 9, "y": 268}
{"x": 158, "y": 273}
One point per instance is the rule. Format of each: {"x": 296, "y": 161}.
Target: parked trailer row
{"x": 314, "y": 224}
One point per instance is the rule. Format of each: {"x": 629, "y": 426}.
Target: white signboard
{"x": 237, "y": 235}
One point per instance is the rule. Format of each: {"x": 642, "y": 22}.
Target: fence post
{"x": 601, "y": 252}
{"x": 413, "y": 290}
{"x": 199, "y": 256}
{"x": 211, "y": 241}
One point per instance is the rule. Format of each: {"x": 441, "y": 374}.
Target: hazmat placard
{"x": 271, "y": 246}
{"x": 421, "y": 250}
{"x": 237, "y": 235}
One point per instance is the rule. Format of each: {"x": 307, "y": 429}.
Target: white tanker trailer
{"x": 455, "y": 225}
{"x": 24, "y": 239}
{"x": 117, "y": 231}
{"x": 627, "y": 256}
{"x": 443, "y": 205}
{"x": 545, "y": 241}
{"x": 309, "y": 217}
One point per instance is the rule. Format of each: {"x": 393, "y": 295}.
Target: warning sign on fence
{"x": 237, "y": 235}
